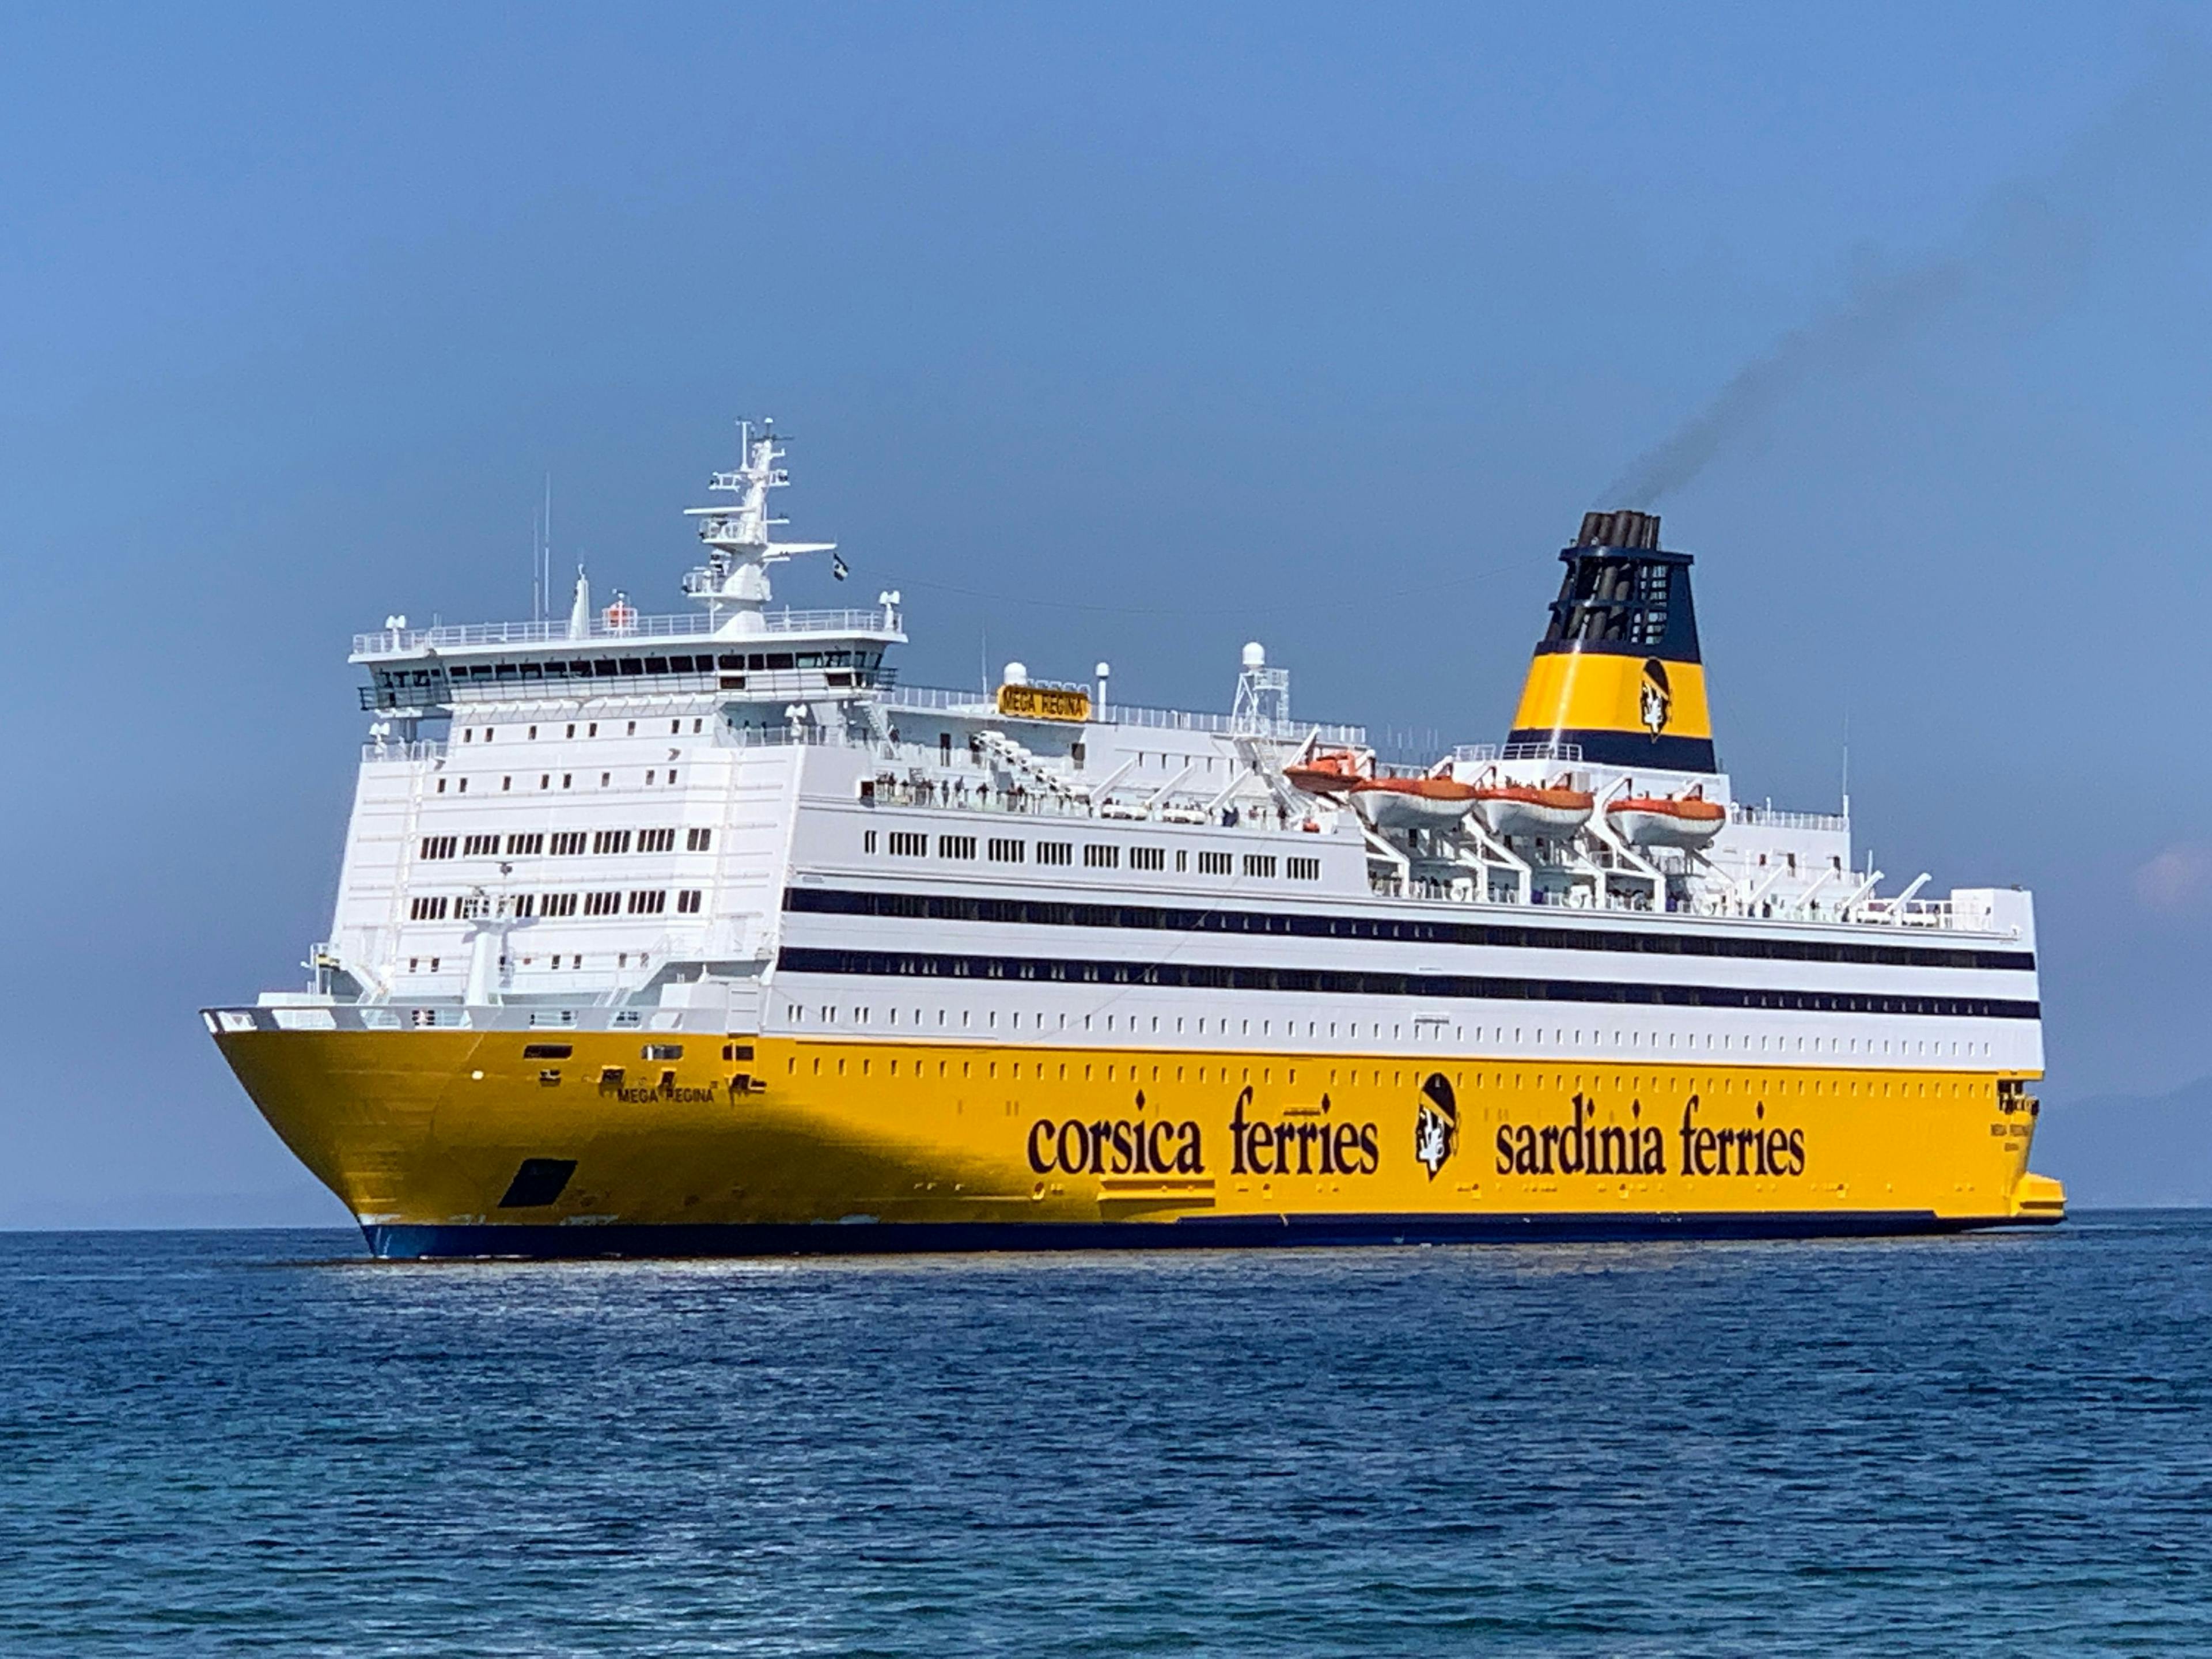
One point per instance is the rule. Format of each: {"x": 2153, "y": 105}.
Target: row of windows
{"x": 1055, "y": 913}
{"x": 1708, "y": 1088}
{"x": 1097, "y": 855}
{"x": 612, "y": 668}
{"x": 417, "y": 965}
{"x": 1431, "y": 1028}
{"x": 651, "y": 902}
{"x": 566, "y": 843}
{"x": 644, "y": 902}
{"x": 651, "y": 1051}
{"x": 1337, "y": 982}
{"x": 487, "y": 733}
{"x": 655, "y": 776}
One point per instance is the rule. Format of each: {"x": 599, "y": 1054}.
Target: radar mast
{"x": 733, "y": 583}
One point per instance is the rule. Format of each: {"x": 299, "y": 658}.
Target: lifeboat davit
{"x": 1687, "y": 820}
{"x": 1412, "y": 803}
{"x": 1517, "y": 809}
{"x": 1326, "y": 772}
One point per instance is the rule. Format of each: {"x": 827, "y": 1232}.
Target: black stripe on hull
{"x": 1127, "y": 914}
{"x": 1329, "y": 982}
{"x": 413, "y": 1243}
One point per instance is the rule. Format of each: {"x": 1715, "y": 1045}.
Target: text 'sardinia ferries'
{"x": 702, "y": 933}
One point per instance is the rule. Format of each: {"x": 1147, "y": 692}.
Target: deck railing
{"x": 420, "y": 750}
{"x": 1773, "y": 817}
{"x": 1568, "y": 753}
{"x": 983, "y": 704}
{"x": 691, "y": 625}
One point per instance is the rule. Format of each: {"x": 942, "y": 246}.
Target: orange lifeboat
{"x": 1551, "y": 812}
{"x": 1326, "y": 772}
{"x": 1412, "y": 803}
{"x": 1685, "y": 820}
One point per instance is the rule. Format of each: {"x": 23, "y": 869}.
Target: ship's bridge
{"x": 785, "y": 654}
{"x": 736, "y": 644}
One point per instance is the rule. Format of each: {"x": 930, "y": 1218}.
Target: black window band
{"x": 1060, "y": 912}
{"x": 917, "y": 964}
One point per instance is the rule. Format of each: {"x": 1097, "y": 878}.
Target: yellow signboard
{"x": 1044, "y": 702}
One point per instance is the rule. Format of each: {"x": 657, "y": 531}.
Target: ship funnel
{"x": 1631, "y": 531}
{"x": 1618, "y": 671}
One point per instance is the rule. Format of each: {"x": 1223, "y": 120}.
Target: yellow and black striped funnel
{"x": 1618, "y": 671}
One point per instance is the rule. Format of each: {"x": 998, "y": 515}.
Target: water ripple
{"x": 258, "y": 1442}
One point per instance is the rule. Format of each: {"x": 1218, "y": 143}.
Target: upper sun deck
{"x": 881, "y": 625}
{"x": 733, "y": 586}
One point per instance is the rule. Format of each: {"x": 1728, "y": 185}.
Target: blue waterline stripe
{"x": 1058, "y": 912}
{"x": 413, "y": 1243}
{"x": 915, "y": 964}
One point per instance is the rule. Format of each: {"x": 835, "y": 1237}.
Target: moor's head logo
{"x": 1655, "y": 698}
{"x": 1435, "y": 1126}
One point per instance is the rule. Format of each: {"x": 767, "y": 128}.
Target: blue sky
{"x": 1126, "y": 331}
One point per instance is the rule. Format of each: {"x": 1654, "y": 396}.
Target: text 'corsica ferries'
{"x": 702, "y": 933}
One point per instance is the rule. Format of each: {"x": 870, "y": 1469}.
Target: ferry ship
{"x": 705, "y": 934}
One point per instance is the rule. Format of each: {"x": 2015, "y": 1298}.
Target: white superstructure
{"x": 736, "y": 819}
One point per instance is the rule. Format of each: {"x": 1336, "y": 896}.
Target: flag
{"x": 837, "y": 567}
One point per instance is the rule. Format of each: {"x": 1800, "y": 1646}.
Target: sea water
{"x": 261, "y": 1442}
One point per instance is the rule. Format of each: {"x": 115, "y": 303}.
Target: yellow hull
{"x": 424, "y": 1135}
